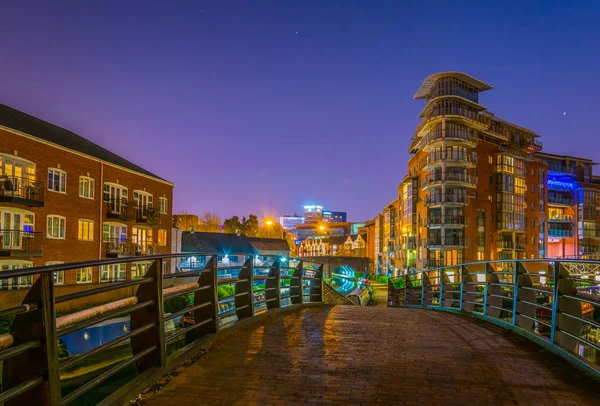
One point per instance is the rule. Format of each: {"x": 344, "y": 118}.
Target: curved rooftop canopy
{"x": 430, "y": 81}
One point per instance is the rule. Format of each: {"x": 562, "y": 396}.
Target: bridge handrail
{"x": 34, "y": 336}
{"x": 544, "y": 300}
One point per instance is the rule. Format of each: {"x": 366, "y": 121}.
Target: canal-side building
{"x": 65, "y": 199}
{"x": 479, "y": 188}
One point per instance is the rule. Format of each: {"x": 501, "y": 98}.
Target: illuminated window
{"x": 86, "y": 187}
{"x": 162, "y": 237}
{"x": 85, "y": 230}
{"x": 57, "y": 180}
{"x": 59, "y": 277}
{"x": 56, "y": 226}
{"x": 112, "y": 272}
{"x": 84, "y": 275}
{"x": 490, "y": 160}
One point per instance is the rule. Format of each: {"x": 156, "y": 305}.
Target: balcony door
{"x": 20, "y": 172}
{"x": 142, "y": 239}
{"x": 115, "y": 196}
{"x": 11, "y": 226}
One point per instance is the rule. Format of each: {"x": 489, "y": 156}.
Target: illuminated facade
{"x": 313, "y": 213}
{"x": 573, "y": 208}
{"x": 334, "y": 216}
{"x": 479, "y": 188}
{"x": 289, "y": 222}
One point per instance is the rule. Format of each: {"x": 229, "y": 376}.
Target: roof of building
{"x": 494, "y": 117}
{"x": 556, "y": 156}
{"x": 268, "y": 244}
{"x": 430, "y": 81}
{"x": 33, "y": 126}
{"x": 229, "y": 244}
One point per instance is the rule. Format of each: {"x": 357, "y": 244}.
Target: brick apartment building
{"x": 479, "y": 188}
{"x": 66, "y": 199}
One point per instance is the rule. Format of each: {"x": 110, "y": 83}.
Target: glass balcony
{"x": 509, "y": 246}
{"x": 439, "y": 199}
{"x": 126, "y": 248}
{"x": 559, "y": 199}
{"x": 455, "y": 135}
{"x": 438, "y": 221}
{"x": 560, "y": 218}
{"x": 453, "y": 108}
{"x": 438, "y": 158}
{"x": 560, "y": 233}
{"x": 21, "y": 191}
{"x": 448, "y": 241}
{"x": 461, "y": 179}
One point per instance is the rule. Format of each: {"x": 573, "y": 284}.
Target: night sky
{"x": 263, "y": 106}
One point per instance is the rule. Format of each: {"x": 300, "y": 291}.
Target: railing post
{"x": 486, "y": 286}
{"x": 462, "y": 285}
{"x": 50, "y": 338}
{"x": 244, "y": 290}
{"x": 440, "y": 278}
{"x": 317, "y": 284}
{"x": 273, "y": 286}
{"x": 555, "y": 302}
{"x": 153, "y": 314}
{"x": 207, "y": 278}
{"x": 422, "y": 288}
{"x": 405, "y": 287}
{"x": 515, "y": 292}
{"x": 296, "y": 286}
{"x": 38, "y": 325}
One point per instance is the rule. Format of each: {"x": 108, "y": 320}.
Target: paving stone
{"x": 351, "y": 355}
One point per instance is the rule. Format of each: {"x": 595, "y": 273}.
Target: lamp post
{"x": 268, "y": 223}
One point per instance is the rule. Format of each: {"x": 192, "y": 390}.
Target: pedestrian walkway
{"x": 351, "y": 355}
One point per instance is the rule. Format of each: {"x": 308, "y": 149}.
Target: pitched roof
{"x": 268, "y": 244}
{"x": 25, "y": 123}
{"x": 229, "y": 244}
{"x": 216, "y": 243}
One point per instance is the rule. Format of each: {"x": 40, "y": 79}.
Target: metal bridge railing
{"x": 552, "y": 302}
{"x": 37, "y": 368}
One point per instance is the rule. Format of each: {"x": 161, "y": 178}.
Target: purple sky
{"x": 263, "y": 106}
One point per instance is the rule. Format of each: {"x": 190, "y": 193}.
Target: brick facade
{"x": 17, "y": 146}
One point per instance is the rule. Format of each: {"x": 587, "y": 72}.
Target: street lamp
{"x": 268, "y": 223}
{"x": 322, "y": 228}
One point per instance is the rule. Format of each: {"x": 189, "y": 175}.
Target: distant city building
{"x": 334, "y": 216}
{"x": 355, "y": 227}
{"x": 289, "y": 222}
{"x": 313, "y": 213}
{"x": 342, "y": 245}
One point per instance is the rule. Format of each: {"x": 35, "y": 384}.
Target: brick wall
{"x": 73, "y": 207}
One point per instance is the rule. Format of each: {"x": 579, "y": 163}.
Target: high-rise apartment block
{"x": 479, "y": 188}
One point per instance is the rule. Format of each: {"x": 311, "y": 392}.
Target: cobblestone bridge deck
{"x": 371, "y": 355}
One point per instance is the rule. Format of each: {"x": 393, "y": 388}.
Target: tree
{"x": 210, "y": 222}
{"x": 185, "y": 221}
{"x": 250, "y": 226}
{"x": 232, "y": 225}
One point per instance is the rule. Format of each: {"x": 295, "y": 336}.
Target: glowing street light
{"x": 268, "y": 223}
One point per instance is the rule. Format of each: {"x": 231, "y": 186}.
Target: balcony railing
{"x": 454, "y": 159}
{"x": 559, "y": 199}
{"x": 442, "y": 135}
{"x": 509, "y": 245}
{"x": 121, "y": 209}
{"x": 560, "y": 218}
{"x": 147, "y": 214}
{"x": 21, "y": 191}
{"x": 559, "y": 233}
{"x": 446, "y": 241}
{"x": 433, "y": 200}
{"x": 446, "y": 220}
{"x": 450, "y": 177}
{"x": 453, "y": 110}
{"x": 20, "y": 243}
{"x": 590, "y": 233}
{"x": 560, "y": 169}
